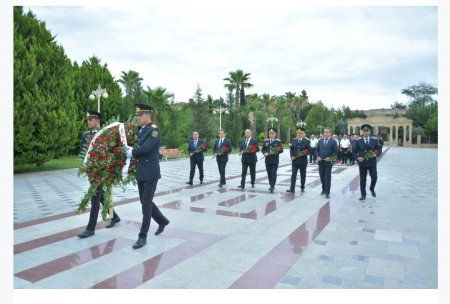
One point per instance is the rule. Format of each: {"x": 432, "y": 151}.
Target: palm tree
{"x": 300, "y": 104}
{"x": 290, "y": 102}
{"x": 253, "y": 106}
{"x": 280, "y": 106}
{"x": 132, "y": 83}
{"x": 237, "y": 81}
{"x": 268, "y": 105}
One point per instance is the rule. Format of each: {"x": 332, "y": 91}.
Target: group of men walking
{"x": 323, "y": 151}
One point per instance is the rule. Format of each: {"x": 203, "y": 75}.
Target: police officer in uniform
{"x": 147, "y": 171}
{"x": 93, "y": 120}
{"x": 271, "y": 148}
{"x": 326, "y": 147}
{"x": 300, "y": 143}
{"x": 367, "y": 149}
{"x": 248, "y": 158}
{"x": 196, "y": 157}
{"x": 222, "y": 147}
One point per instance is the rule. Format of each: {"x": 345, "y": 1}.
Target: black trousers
{"x": 295, "y": 168}
{"x": 363, "y": 178}
{"x": 312, "y": 155}
{"x": 149, "y": 209}
{"x": 221, "y": 164}
{"x": 95, "y": 209}
{"x": 272, "y": 173}
{"x": 199, "y": 164}
{"x": 245, "y": 166}
{"x": 345, "y": 155}
{"x": 325, "y": 175}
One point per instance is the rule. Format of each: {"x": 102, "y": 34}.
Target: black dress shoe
{"x": 189, "y": 183}
{"x": 113, "y": 222}
{"x": 139, "y": 243}
{"x": 302, "y": 190}
{"x": 253, "y": 185}
{"x": 240, "y": 186}
{"x": 290, "y": 191}
{"x": 373, "y": 193}
{"x": 201, "y": 182}
{"x": 220, "y": 185}
{"x": 363, "y": 197}
{"x": 271, "y": 189}
{"x": 322, "y": 193}
{"x": 86, "y": 233}
{"x": 327, "y": 195}
{"x": 161, "y": 227}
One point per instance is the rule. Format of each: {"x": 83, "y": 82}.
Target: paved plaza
{"x": 233, "y": 238}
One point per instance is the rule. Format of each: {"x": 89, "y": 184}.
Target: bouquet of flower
{"x": 276, "y": 150}
{"x": 302, "y": 152}
{"x": 331, "y": 159}
{"x": 222, "y": 150}
{"x": 370, "y": 154}
{"x": 104, "y": 162}
{"x": 250, "y": 149}
{"x": 200, "y": 148}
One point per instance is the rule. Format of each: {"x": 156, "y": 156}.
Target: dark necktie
{"x": 246, "y": 143}
{"x": 326, "y": 141}
{"x": 195, "y": 144}
{"x": 367, "y": 141}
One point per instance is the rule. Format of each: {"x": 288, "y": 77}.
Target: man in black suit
{"x": 271, "y": 149}
{"x": 222, "y": 147}
{"x": 196, "y": 148}
{"x": 367, "y": 149}
{"x": 93, "y": 121}
{"x": 248, "y": 148}
{"x": 147, "y": 171}
{"x": 326, "y": 150}
{"x": 300, "y": 149}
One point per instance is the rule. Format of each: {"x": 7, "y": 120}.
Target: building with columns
{"x": 387, "y": 123}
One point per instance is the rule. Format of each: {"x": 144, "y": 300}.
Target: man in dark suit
{"x": 248, "y": 148}
{"x": 93, "y": 120}
{"x": 326, "y": 152}
{"x": 147, "y": 171}
{"x": 196, "y": 148}
{"x": 300, "y": 149}
{"x": 222, "y": 147}
{"x": 271, "y": 149}
{"x": 367, "y": 149}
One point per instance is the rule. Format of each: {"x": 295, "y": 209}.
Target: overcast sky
{"x": 358, "y": 56}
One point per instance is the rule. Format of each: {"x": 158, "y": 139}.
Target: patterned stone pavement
{"x": 231, "y": 238}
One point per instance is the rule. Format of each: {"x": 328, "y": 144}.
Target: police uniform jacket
{"x": 191, "y": 149}
{"x": 84, "y": 138}
{"x": 267, "y": 146}
{"x": 249, "y": 157}
{"x": 299, "y": 145}
{"x": 147, "y": 153}
{"x": 361, "y": 150}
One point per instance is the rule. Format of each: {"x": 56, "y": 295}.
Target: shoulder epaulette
{"x": 86, "y": 132}
{"x": 154, "y": 126}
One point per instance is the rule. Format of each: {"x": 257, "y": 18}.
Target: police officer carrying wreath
{"x": 271, "y": 149}
{"x": 367, "y": 149}
{"x": 93, "y": 120}
{"x": 300, "y": 149}
{"x": 147, "y": 171}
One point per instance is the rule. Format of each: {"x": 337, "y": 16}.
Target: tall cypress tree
{"x": 44, "y": 109}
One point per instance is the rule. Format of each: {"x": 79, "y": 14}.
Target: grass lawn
{"x": 67, "y": 162}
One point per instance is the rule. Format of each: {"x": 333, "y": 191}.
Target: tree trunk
{"x": 289, "y": 124}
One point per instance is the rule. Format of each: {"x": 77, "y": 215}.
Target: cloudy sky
{"x": 358, "y": 56}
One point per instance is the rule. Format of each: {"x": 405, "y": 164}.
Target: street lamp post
{"x": 301, "y": 124}
{"x": 99, "y": 93}
{"x": 271, "y": 119}
{"x": 220, "y": 110}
